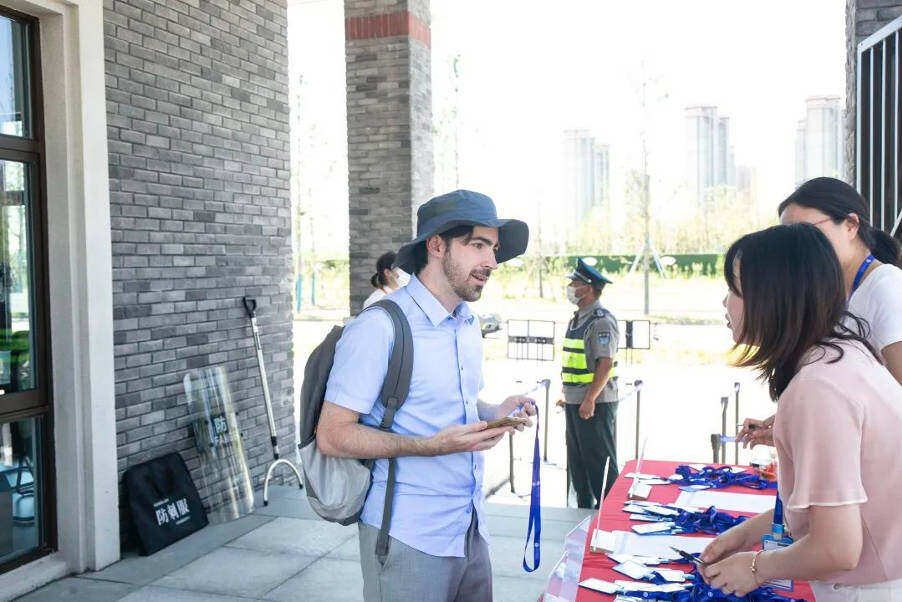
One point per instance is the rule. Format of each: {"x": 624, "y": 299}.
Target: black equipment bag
{"x": 163, "y": 502}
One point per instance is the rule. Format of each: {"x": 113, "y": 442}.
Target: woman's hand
{"x": 733, "y": 575}
{"x": 756, "y": 432}
{"x": 735, "y": 539}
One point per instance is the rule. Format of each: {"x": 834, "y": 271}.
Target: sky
{"x": 526, "y": 75}
{"x": 529, "y": 70}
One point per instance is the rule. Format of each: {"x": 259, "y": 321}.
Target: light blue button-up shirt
{"x": 434, "y": 496}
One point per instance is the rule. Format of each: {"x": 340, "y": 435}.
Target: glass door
{"x": 27, "y": 525}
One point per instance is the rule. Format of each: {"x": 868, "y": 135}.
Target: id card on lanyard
{"x": 775, "y": 540}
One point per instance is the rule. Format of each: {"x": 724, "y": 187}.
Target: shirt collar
{"x": 434, "y": 310}
{"x": 588, "y": 310}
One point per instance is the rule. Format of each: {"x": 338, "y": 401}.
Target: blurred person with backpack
{"x": 423, "y": 526}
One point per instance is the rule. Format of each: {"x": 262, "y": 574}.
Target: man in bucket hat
{"x": 438, "y": 546}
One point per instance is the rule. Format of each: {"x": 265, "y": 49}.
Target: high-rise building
{"x": 586, "y": 174}
{"x": 819, "y": 140}
{"x": 709, "y": 151}
{"x": 602, "y": 173}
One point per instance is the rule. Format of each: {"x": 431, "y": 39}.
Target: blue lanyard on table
{"x": 702, "y": 592}
{"x": 861, "y": 270}
{"x": 535, "y": 508}
{"x": 717, "y": 478}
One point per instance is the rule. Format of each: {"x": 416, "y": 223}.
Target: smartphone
{"x": 508, "y": 421}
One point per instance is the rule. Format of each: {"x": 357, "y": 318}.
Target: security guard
{"x": 590, "y": 386}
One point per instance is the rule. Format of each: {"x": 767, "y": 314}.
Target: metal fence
{"x": 878, "y": 131}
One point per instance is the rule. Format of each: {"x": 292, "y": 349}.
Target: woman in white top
{"x": 870, "y": 261}
{"x": 386, "y": 280}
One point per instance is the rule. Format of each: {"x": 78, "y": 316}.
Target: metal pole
{"x": 736, "y": 444}
{"x": 638, "y": 385}
{"x": 724, "y": 402}
{"x": 715, "y": 447}
{"x": 510, "y": 440}
{"x": 547, "y": 403}
{"x": 567, "y": 485}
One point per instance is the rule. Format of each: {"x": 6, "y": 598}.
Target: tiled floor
{"x": 283, "y": 552}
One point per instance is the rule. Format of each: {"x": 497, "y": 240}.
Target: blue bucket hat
{"x": 464, "y": 208}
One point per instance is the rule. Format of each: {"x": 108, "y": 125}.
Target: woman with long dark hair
{"x": 870, "y": 260}
{"x": 386, "y": 280}
{"x": 839, "y": 415}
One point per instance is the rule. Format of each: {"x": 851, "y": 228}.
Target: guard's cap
{"x": 588, "y": 275}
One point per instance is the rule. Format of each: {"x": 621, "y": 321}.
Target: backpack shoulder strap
{"x": 400, "y": 364}
{"x": 394, "y": 393}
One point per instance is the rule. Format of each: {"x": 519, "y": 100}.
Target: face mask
{"x": 403, "y": 277}
{"x": 571, "y": 295}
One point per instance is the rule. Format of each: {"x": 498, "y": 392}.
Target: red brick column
{"x": 389, "y": 102}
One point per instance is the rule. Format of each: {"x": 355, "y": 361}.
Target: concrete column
{"x": 389, "y": 97}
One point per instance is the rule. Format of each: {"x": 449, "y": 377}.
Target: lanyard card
{"x": 632, "y": 569}
{"x": 605, "y": 587}
{"x": 661, "y": 527}
{"x": 769, "y": 542}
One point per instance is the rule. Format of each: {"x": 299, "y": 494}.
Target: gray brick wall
{"x": 197, "y": 113}
{"x": 863, "y": 17}
{"x": 390, "y": 167}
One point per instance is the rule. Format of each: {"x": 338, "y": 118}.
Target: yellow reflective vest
{"x": 575, "y": 369}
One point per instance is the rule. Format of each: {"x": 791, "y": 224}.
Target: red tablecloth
{"x": 613, "y": 518}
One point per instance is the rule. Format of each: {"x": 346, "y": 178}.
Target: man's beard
{"x": 459, "y": 279}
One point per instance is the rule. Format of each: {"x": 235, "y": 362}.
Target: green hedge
{"x": 686, "y": 264}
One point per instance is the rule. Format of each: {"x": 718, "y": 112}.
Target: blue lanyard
{"x": 861, "y": 270}
{"x": 777, "y": 528}
{"x": 716, "y": 478}
{"x": 535, "y": 508}
{"x": 702, "y": 592}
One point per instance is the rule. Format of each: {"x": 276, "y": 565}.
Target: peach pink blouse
{"x": 838, "y": 433}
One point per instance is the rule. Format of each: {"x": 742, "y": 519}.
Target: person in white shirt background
{"x": 870, "y": 260}
{"x": 385, "y": 280}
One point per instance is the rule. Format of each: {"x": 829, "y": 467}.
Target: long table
{"x": 614, "y": 519}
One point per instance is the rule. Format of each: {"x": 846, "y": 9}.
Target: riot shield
{"x": 225, "y": 481}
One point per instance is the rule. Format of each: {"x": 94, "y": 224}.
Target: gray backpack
{"x": 337, "y": 487}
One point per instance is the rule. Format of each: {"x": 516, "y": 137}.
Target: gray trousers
{"x": 410, "y": 575}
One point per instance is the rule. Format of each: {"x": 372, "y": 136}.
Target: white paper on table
{"x": 722, "y": 500}
{"x": 620, "y": 558}
{"x": 605, "y": 540}
{"x": 626, "y": 542}
{"x": 641, "y": 476}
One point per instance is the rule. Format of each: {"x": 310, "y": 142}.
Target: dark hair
{"x": 421, "y": 257}
{"x": 383, "y": 263}
{"x": 837, "y": 199}
{"x": 794, "y": 300}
